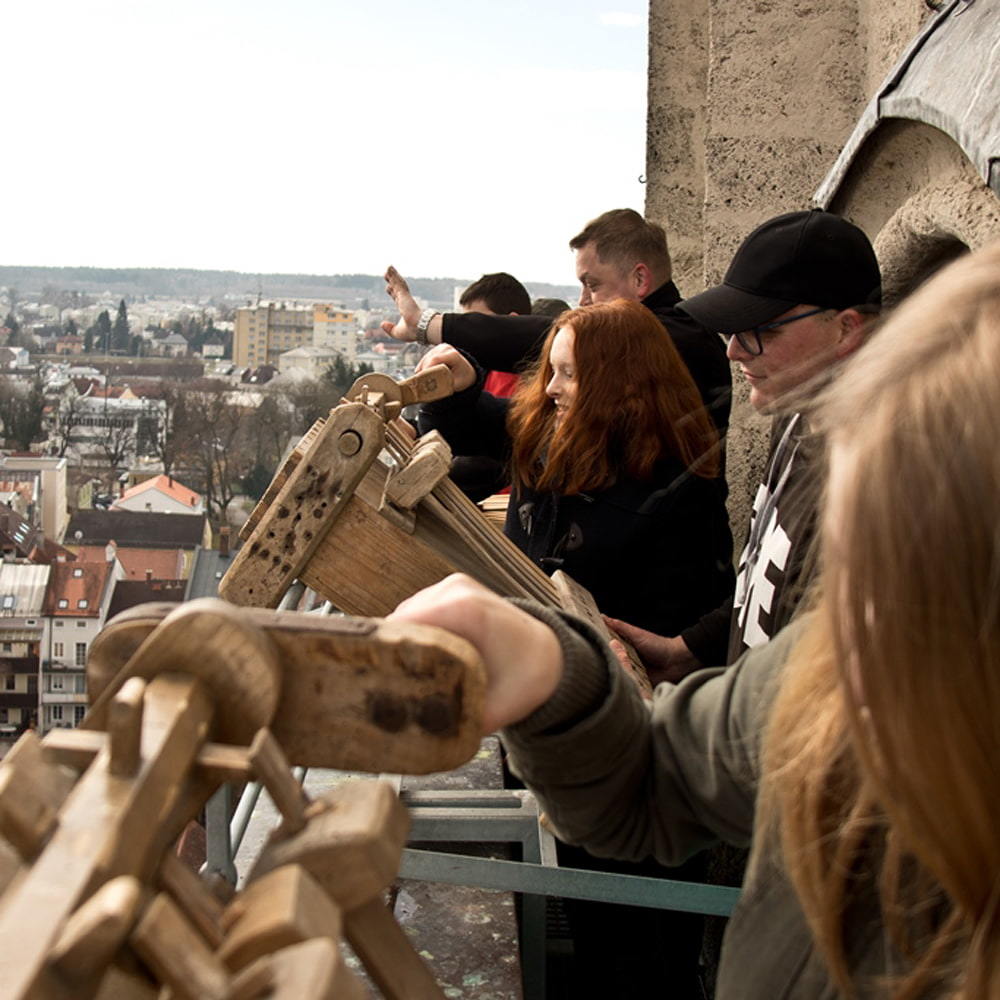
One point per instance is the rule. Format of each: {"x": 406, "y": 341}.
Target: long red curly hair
{"x": 635, "y": 405}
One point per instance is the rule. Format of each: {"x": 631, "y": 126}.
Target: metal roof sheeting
{"x": 947, "y": 78}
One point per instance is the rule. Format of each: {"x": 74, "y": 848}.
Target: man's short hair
{"x": 502, "y": 293}
{"x": 549, "y": 307}
{"x": 622, "y": 237}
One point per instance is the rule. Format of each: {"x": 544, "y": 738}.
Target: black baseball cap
{"x": 814, "y": 258}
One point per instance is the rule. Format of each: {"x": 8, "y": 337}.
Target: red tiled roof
{"x": 73, "y": 583}
{"x": 164, "y": 564}
{"x": 166, "y": 485}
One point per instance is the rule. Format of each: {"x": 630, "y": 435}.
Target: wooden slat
{"x": 305, "y": 508}
{"x": 356, "y": 694}
{"x": 578, "y": 601}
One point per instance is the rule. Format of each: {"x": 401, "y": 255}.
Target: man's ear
{"x": 853, "y": 331}
{"x": 642, "y": 280}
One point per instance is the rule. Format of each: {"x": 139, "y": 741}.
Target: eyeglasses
{"x": 750, "y": 340}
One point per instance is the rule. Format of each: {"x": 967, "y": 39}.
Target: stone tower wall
{"x": 749, "y": 107}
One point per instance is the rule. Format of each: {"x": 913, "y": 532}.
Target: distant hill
{"x": 236, "y": 286}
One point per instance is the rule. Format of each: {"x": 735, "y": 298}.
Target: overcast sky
{"x": 450, "y": 137}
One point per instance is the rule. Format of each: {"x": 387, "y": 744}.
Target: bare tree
{"x": 118, "y": 442}
{"x": 66, "y": 417}
{"x": 172, "y": 438}
{"x": 21, "y": 409}
{"x": 221, "y": 448}
{"x": 309, "y": 400}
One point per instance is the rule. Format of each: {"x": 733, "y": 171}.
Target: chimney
{"x": 224, "y": 541}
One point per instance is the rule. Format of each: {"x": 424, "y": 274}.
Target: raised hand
{"x": 405, "y": 328}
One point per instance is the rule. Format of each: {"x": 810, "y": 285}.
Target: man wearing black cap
{"x": 796, "y": 300}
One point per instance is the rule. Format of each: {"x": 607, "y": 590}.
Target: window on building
{"x": 9, "y": 682}
{"x": 63, "y": 602}
{"x": 82, "y": 603}
{"x": 56, "y": 682}
{"x": 57, "y": 649}
{"x": 78, "y": 713}
{"x": 57, "y": 712}
{"x": 81, "y": 654}
{"x": 3, "y": 715}
{"x": 78, "y": 573}
{"x": 59, "y": 624}
{"x": 8, "y": 602}
{"x": 8, "y": 647}
{"x": 81, "y": 624}
{"x": 30, "y": 621}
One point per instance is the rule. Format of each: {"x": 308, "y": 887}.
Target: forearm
{"x": 498, "y": 343}
{"x": 626, "y": 783}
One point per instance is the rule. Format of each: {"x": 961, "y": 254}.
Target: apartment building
{"x": 336, "y": 328}
{"x": 266, "y": 330}
{"x": 22, "y": 637}
{"x": 76, "y": 606}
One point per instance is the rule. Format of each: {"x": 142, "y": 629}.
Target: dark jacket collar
{"x": 663, "y": 297}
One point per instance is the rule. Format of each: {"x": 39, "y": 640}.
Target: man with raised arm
{"x": 619, "y": 255}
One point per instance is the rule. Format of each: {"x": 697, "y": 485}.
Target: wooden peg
{"x": 284, "y": 907}
{"x": 388, "y": 955}
{"x": 177, "y": 954}
{"x": 76, "y": 748}
{"x": 351, "y": 845}
{"x": 427, "y": 466}
{"x": 215, "y": 642}
{"x": 106, "y": 828}
{"x": 255, "y": 982}
{"x": 31, "y": 791}
{"x": 193, "y": 896}
{"x": 118, "y": 641}
{"x": 97, "y": 929}
{"x": 269, "y": 766}
{"x": 125, "y": 728}
{"x": 10, "y": 864}
{"x": 313, "y": 970}
{"x": 127, "y": 979}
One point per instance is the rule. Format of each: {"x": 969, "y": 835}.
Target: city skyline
{"x": 321, "y": 138}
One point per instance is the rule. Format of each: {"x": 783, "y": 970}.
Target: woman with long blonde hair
{"x": 860, "y": 749}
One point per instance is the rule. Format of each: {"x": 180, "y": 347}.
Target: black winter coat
{"x": 657, "y": 554}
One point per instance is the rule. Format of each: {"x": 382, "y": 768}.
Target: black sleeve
{"x": 498, "y": 343}
{"x": 472, "y": 422}
{"x": 704, "y": 354}
{"x": 708, "y": 638}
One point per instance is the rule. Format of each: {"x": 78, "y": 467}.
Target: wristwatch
{"x": 425, "y": 321}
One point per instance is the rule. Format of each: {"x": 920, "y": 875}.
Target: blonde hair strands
{"x": 887, "y": 729}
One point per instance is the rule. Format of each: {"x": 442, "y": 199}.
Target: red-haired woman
{"x": 615, "y": 465}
